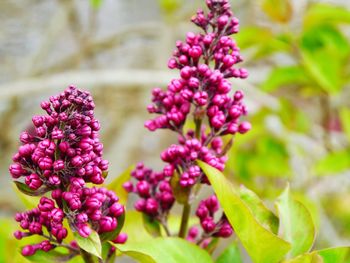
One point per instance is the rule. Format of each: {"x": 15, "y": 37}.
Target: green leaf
{"x": 332, "y": 163}
{"x": 96, "y": 3}
{"x": 113, "y": 234}
{"x": 117, "y": 184}
{"x": 345, "y": 121}
{"x": 151, "y": 225}
{"x": 50, "y": 256}
{"x": 263, "y": 215}
{"x": 134, "y": 227}
{"x": 181, "y": 194}
{"x": 278, "y": 10}
{"x": 231, "y": 254}
{"x": 296, "y": 225}
{"x": 334, "y": 255}
{"x": 28, "y": 191}
{"x": 170, "y": 6}
{"x": 262, "y": 245}
{"x": 306, "y": 258}
{"x": 325, "y": 13}
{"x": 165, "y": 250}
{"x": 285, "y": 76}
{"x": 91, "y": 244}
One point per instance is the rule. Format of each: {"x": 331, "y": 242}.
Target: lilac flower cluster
{"x": 156, "y": 195}
{"x": 206, "y": 61}
{"x": 61, "y": 155}
{"x": 64, "y": 144}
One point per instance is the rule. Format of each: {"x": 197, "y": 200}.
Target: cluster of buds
{"x": 62, "y": 144}
{"x": 206, "y": 214}
{"x": 60, "y": 154}
{"x": 206, "y": 61}
{"x": 154, "y": 190}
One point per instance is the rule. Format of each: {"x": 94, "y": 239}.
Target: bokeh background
{"x": 298, "y": 92}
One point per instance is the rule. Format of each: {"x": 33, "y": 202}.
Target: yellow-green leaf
{"x": 117, "y": 185}
{"x": 91, "y": 244}
{"x": 306, "y": 258}
{"x": 296, "y": 225}
{"x": 278, "y": 10}
{"x": 262, "y": 245}
{"x": 334, "y": 255}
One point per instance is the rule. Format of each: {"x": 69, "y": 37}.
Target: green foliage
{"x": 333, "y": 162}
{"x": 152, "y": 226}
{"x": 165, "y": 250}
{"x": 50, "y": 256}
{"x": 230, "y": 254}
{"x": 91, "y": 244}
{"x": 278, "y": 10}
{"x": 261, "y": 244}
{"x": 296, "y": 225}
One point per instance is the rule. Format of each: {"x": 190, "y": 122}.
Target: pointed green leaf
{"x": 332, "y": 163}
{"x": 117, "y": 184}
{"x": 296, "y": 225}
{"x": 28, "y": 191}
{"x": 306, "y": 258}
{"x": 50, "y": 256}
{"x": 264, "y": 216}
{"x": 262, "y": 245}
{"x": 230, "y": 254}
{"x": 285, "y": 76}
{"x": 151, "y": 225}
{"x": 91, "y": 244}
{"x": 165, "y": 250}
{"x": 334, "y": 255}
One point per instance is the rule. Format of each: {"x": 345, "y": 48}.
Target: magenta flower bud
{"x": 18, "y": 235}
{"x": 218, "y": 120}
{"x": 82, "y": 218}
{"x": 33, "y": 181}
{"x": 38, "y": 120}
{"x": 54, "y": 180}
{"x": 238, "y": 95}
{"x": 74, "y": 203}
{"x": 212, "y": 203}
{"x": 116, "y": 209}
{"x": 93, "y": 203}
{"x": 172, "y": 63}
{"x": 59, "y": 232}
{"x": 201, "y": 98}
{"x": 46, "y": 204}
{"x": 45, "y": 163}
{"x": 95, "y": 215}
{"x": 57, "y": 215}
{"x": 63, "y": 147}
{"x": 225, "y": 230}
{"x": 121, "y": 238}
{"x": 35, "y": 228}
{"x": 208, "y": 225}
{"x": 103, "y": 165}
{"x": 84, "y": 230}
{"x": 128, "y": 186}
{"x": 77, "y": 161}
{"x": 107, "y": 224}
{"x": 195, "y": 52}
{"x": 56, "y": 194}
{"x": 151, "y": 206}
{"x": 24, "y": 224}
{"x": 193, "y": 232}
{"x": 202, "y": 212}
{"x": 26, "y": 150}
{"x": 58, "y": 165}
{"x": 16, "y": 170}
{"x": 46, "y": 245}
{"x": 57, "y": 134}
{"x": 244, "y": 127}
{"x": 140, "y": 205}
{"x": 28, "y": 250}
{"x": 85, "y": 131}
{"x": 185, "y": 72}
{"x": 143, "y": 188}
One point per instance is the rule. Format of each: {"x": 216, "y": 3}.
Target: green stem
{"x": 184, "y": 220}
{"x": 86, "y": 256}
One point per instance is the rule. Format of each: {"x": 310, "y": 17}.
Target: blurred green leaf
{"x": 321, "y": 13}
{"x": 333, "y": 162}
{"x": 231, "y": 254}
{"x": 134, "y": 227}
{"x": 278, "y": 10}
{"x": 264, "y": 216}
{"x": 296, "y": 224}
{"x": 247, "y": 37}
{"x": 345, "y": 121}
{"x": 334, "y": 255}
{"x": 261, "y": 244}
{"x": 151, "y": 225}
{"x": 284, "y": 76}
{"x": 324, "y": 51}
{"x": 306, "y": 258}
{"x": 96, "y": 3}
{"x": 28, "y": 191}
{"x": 50, "y": 256}
{"x": 165, "y": 250}
{"x": 170, "y": 6}
{"x": 117, "y": 185}
{"x": 91, "y": 244}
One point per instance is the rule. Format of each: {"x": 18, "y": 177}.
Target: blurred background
{"x": 298, "y": 94}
